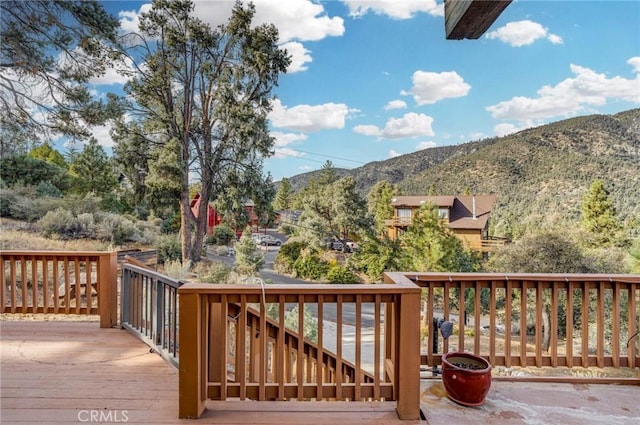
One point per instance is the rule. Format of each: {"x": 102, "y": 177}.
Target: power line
{"x": 329, "y": 156}
{"x": 313, "y": 160}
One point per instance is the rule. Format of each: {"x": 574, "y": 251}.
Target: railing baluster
{"x": 461, "y": 317}
{"x": 376, "y": 348}
{"x": 300, "y": 350}
{"x": 264, "y": 338}
{"x": 45, "y": 284}
{"x": 23, "y": 282}
{"x": 507, "y": 320}
{"x": 477, "y": 328}
{"x": 241, "y": 348}
{"x": 632, "y": 359}
{"x": 553, "y": 343}
{"x": 585, "y": 325}
{"x": 339, "y": 329}
{"x": 538, "y": 327}
{"x": 358, "y": 348}
{"x": 600, "y": 324}
{"x": 320, "y": 343}
{"x": 281, "y": 358}
{"x": 34, "y": 284}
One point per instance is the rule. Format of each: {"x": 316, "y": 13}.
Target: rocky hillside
{"x": 539, "y": 174}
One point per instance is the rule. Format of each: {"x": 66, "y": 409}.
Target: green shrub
{"x": 222, "y": 235}
{"x": 214, "y": 273}
{"x": 64, "y": 224}
{"x": 169, "y": 248}
{"x": 114, "y": 228}
{"x": 32, "y": 209}
{"x": 340, "y": 274}
{"x": 89, "y": 203}
{"x": 311, "y": 267}
{"x": 176, "y": 269}
{"x": 46, "y": 188}
{"x": 7, "y": 198}
{"x": 287, "y": 256}
{"x": 171, "y": 224}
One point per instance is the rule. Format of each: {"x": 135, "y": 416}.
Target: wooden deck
{"x": 74, "y": 372}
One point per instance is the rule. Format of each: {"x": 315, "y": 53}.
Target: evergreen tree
{"x": 599, "y": 216}
{"x": 209, "y": 92}
{"x": 379, "y": 203}
{"x": 57, "y": 46}
{"x": 91, "y": 170}
{"x": 429, "y": 245}
{"x": 46, "y": 153}
{"x": 284, "y": 197}
{"x": 249, "y": 259}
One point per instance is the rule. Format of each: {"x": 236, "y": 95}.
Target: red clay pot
{"x": 466, "y": 377}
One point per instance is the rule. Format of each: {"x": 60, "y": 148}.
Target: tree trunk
{"x": 546, "y": 330}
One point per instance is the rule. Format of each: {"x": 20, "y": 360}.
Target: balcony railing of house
{"x": 229, "y": 349}
{"x": 53, "y": 282}
{"x": 534, "y": 320}
{"x": 341, "y": 342}
{"x": 398, "y": 221}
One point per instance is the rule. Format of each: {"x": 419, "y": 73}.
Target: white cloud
{"x": 299, "y": 56}
{"x": 523, "y": 33}
{"x": 287, "y": 153}
{"x": 130, "y": 19}
{"x": 116, "y": 74}
{"x": 410, "y": 125}
{"x": 635, "y": 63}
{"x": 296, "y": 20}
{"x": 425, "y": 145}
{"x": 430, "y": 87}
{"x": 285, "y": 139}
{"x": 504, "y": 129}
{"x": 309, "y": 117}
{"x": 393, "y": 153}
{"x": 570, "y": 96}
{"x": 302, "y": 20}
{"x": 367, "y": 130}
{"x": 102, "y": 135}
{"x": 395, "y": 9}
{"x": 395, "y": 104}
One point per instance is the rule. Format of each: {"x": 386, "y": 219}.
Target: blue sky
{"x": 375, "y": 79}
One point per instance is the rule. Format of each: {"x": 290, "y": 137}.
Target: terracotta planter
{"x": 466, "y": 377}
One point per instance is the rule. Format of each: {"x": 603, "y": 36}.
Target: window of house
{"x": 404, "y": 214}
{"x": 443, "y": 213}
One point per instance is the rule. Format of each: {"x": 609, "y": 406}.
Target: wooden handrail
{"x": 50, "y": 281}
{"x": 252, "y": 356}
{"x": 584, "y": 315}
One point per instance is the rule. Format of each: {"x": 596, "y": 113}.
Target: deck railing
{"x": 534, "y": 320}
{"x": 53, "y": 282}
{"x": 225, "y": 352}
{"x": 149, "y": 309}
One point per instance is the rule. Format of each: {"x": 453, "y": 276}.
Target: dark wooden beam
{"x": 471, "y": 18}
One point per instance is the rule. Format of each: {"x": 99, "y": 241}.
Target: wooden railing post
{"x": 191, "y": 370}
{"x": 108, "y": 289}
{"x": 407, "y": 355}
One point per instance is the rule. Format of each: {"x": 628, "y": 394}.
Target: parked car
{"x": 351, "y": 246}
{"x": 267, "y": 240}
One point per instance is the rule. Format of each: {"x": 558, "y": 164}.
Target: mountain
{"x": 539, "y": 174}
